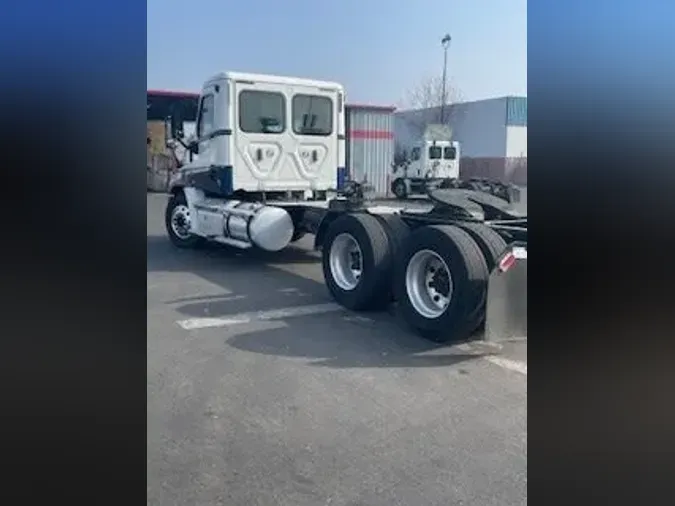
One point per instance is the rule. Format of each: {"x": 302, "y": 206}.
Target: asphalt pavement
{"x": 261, "y": 391}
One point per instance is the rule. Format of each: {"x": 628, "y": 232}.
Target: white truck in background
{"x": 432, "y": 162}
{"x": 267, "y": 166}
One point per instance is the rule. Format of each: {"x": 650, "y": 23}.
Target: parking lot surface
{"x": 261, "y": 391}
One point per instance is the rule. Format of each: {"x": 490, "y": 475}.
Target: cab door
{"x": 315, "y": 122}
{"x": 263, "y": 145}
{"x": 205, "y": 156}
{"x": 206, "y": 119}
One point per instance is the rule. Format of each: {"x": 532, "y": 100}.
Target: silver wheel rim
{"x": 428, "y": 284}
{"x": 180, "y": 222}
{"x": 346, "y": 261}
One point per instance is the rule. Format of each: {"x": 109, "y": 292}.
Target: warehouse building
{"x": 369, "y": 141}
{"x": 492, "y": 134}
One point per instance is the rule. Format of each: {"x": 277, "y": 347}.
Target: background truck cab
{"x": 433, "y": 160}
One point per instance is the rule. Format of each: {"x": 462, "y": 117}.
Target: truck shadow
{"x": 163, "y": 256}
{"x": 343, "y": 347}
{"x": 336, "y": 339}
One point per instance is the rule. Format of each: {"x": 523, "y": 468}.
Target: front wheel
{"x": 177, "y": 222}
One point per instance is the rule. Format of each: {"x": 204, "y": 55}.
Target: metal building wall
{"x": 370, "y": 145}
{"x": 516, "y": 141}
{"x": 516, "y": 111}
{"x": 492, "y": 134}
{"x": 478, "y": 126}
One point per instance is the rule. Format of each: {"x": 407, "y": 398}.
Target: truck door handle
{"x": 258, "y": 154}
{"x": 315, "y": 156}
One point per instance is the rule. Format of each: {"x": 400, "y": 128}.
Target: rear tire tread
{"x": 492, "y": 246}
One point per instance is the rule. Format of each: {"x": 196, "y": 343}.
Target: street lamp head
{"x": 445, "y": 41}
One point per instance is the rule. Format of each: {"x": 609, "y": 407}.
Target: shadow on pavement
{"x": 163, "y": 256}
{"x": 345, "y": 348}
{"x": 337, "y": 339}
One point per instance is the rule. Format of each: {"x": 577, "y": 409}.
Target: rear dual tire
{"x": 362, "y": 253}
{"x": 440, "y": 283}
{"x": 359, "y": 253}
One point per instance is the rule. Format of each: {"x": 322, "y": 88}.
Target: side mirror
{"x": 174, "y": 127}
{"x": 192, "y": 144}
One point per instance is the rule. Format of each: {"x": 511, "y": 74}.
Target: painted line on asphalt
{"x": 259, "y": 316}
{"x": 505, "y": 363}
{"x": 480, "y": 349}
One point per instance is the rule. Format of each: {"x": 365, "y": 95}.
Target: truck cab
{"x": 267, "y": 137}
{"x": 433, "y": 160}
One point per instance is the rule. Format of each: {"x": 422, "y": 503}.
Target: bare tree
{"x": 426, "y": 99}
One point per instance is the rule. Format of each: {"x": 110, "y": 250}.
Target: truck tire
{"x": 441, "y": 282}
{"x": 357, "y": 262}
{"x": 399, "y": 189}
{"x": 397, "y": 231}
{"x": 490, "y": 242}
{"x": 492, "y": 245}
{"x": 175, "y": 218}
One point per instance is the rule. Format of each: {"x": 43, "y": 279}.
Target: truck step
{"x": 231, "y": 242}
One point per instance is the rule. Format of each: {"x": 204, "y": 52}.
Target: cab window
{"x": 205, "y": 116}
{"x": 312, "y": 115}
{"x": 415, "y": 154}
{"x": 449, "y": 153}
{"x": 435, "y": 152}
{"x": 262, "y": 112}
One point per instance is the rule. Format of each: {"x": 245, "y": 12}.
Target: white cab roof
{"x": 271, "y": 79}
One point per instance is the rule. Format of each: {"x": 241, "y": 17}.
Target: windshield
{"x": 449, "y": 153}
{"x": 435, "y": 152}
{"x": 312, "y": 115}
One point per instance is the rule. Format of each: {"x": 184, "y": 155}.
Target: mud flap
{"x": 506, "y": 314}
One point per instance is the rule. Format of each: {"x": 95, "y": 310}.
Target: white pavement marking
{"x": 256, "y": 316}
{"x": 505, "y": 363}
{"x": 479, "y": 349}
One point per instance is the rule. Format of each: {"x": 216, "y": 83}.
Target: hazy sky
{"x": 377, "y": 49}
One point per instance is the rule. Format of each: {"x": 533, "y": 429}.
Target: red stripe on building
{"x": 370, "y": 134}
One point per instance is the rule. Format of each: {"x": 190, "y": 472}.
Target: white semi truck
{"x": 432, "y": 162}
{"x": 267, "y": 167}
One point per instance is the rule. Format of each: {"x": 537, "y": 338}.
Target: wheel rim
{"x": 346, "y": 261}
{"x": 180, "y": 222}
{"x": 428, "y": 284}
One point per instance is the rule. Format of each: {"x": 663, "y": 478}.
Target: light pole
{"x": 445, "y": 42}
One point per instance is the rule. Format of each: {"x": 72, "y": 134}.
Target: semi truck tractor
{"x": 267, "y": 167}
{"x": 433, "y": 162}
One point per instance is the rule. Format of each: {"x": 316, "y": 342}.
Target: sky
{"x": 378, "y": 49}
